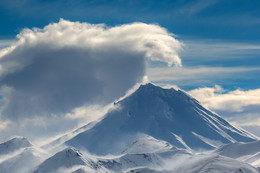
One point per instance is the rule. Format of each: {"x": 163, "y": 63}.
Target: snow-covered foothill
{"x": 63, "y": 160}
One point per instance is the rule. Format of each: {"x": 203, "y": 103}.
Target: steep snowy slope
{"x": 57, "y": 144}
{"x": 166, "y": 114}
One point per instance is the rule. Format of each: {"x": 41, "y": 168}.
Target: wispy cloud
{"x": 197, "y": 6}
{"x": 201, "y": 51}
{"x": 197, "y": 75}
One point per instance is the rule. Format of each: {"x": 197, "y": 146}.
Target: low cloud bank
{"x": 239, "y": 107}
{"x": 233, "y": 101}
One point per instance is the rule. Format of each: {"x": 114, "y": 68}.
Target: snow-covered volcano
{"x": 165, "y": 114}
{"x": 151, "y": 130}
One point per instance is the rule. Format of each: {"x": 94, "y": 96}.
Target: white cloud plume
{"x": 52, "y": 71}
{"x": 234, "y": 101}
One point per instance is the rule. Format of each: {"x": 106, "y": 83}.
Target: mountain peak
{"x": 71, "y": 152}
{"x": 19, "y": 139}
{"x": 14, "y": 144}
{"x": 165, "y": 114}
{"x": 66, "y": 158}
{"x": 149, "y": 85}
{"x": 152, "y": 88}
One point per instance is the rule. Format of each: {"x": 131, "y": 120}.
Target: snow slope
{"x": 148, "y": 144}
{"x": 57, "y": 143}
{"x": 166, "y": 114}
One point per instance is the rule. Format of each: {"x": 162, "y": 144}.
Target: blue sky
{"x": 216, "y": 33}
{"x": 221, "y": 42}
{"x": 201, "y": 19}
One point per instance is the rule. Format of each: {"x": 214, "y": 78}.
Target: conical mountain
{"x": 165, "y": 114}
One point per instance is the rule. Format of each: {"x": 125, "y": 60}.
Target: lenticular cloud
{"x": 67, "y": 64}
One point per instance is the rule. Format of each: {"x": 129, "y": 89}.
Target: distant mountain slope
{"x": 165, "y": 114}
{"x": 239, "y": 149}
{"x": 13, "y": 145}
{"x": 23, "y": 161}
{"x": 19, "y": 155}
